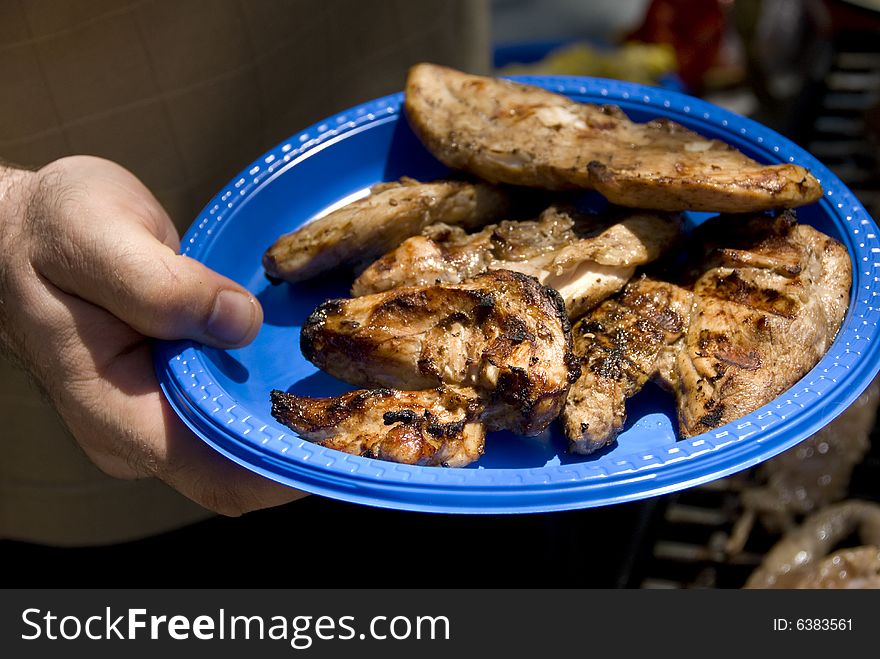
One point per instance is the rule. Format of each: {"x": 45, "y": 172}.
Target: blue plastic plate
{"x": 224, "y": 395}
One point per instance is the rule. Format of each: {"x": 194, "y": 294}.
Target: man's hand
{"x": 88, "y": 269}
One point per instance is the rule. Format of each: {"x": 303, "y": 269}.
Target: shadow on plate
{"x": 319, "y": 385}
{"x": 407, "y": 157}
{"x": 288, "y": 305}
{"x": 228, "y": 365}
{"x": 504, "y": 450}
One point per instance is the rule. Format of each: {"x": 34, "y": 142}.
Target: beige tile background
{"x": 184, "y": 93}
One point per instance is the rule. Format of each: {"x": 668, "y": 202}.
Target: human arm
{"x": 88, "y": 270}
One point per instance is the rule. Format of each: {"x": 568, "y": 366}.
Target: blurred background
{"x": 810, "y": 69}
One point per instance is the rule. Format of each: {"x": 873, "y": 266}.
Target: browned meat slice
{"x": 584, "y": 257}
{"x": 502, "y": 333}
{"x": 768, "y": 297}
{"x": 442, "y": 255}
{"x": 764, "y": 313}
{"x": 623, "y": 343}
{"x": 513, "y": 133}
{"x": 433, "y": 427}
{"x": 360, "y": 232}
{"x": 802, "y": 559}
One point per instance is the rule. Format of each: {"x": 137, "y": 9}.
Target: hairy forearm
{"x": 10, "y": 177}
{"x": 9, "y": 180}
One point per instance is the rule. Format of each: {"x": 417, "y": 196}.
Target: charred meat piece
{"x": 437, "y": 427}
{"x": 513, "y": 133}
{"x": 801, "y": 559}
{"x": 584, "y": 257}
{"x": 763, "y": 315}
{"x": 360, "y": 232}
{"x": 759, "y": 315}
{"x": 502, "y": 333}
{"x": 623, "y": 343}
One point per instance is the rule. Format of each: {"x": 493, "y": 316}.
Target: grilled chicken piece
{"x": 513, "y": 133}
{"x": 360, "y": 232}
{"x": 501, "y": 333}
{"x": 766, "y": 308}
{"x": 625, "y": 342}
{"x": 585, "y": 258}
{"x": 768, "y": 297}
{"x": 801, "y": 559}
{"x": 434, "y": 427}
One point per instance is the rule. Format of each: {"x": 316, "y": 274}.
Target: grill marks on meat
{"x": 492, "y": 353}
{"x": 439, "y": 427}
{"x": 583, "y": 257}
{"x": 752, "y": 320}
{"x": 500, "y": 332}
{"x": 363, "y": 230}
{"x": 459, "y": 331}
{"x": 624, "y": 343}
{"x": 513, "y": 133}
{"x": 757, "y": 329}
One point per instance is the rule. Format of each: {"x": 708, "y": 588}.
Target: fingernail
{"x": 232, "y": 318}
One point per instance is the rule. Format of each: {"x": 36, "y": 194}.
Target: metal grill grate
{"x": 848, "y": 115}
{"x": 690, "y": 548}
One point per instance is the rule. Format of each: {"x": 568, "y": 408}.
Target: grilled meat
{"x": 434, "y": 427}
{"x": 801, "y": 559}
{"x": 767, "y": 298}
{"x": 625, "y": 342}
{"x": 583, "y": 257}
{"x": 360, "y": 232}
{"x": 441, "y": 255}
{"x": 765, "y": 311}
{"x": 501, "y": 333}
{"x": 513, "y": 133}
